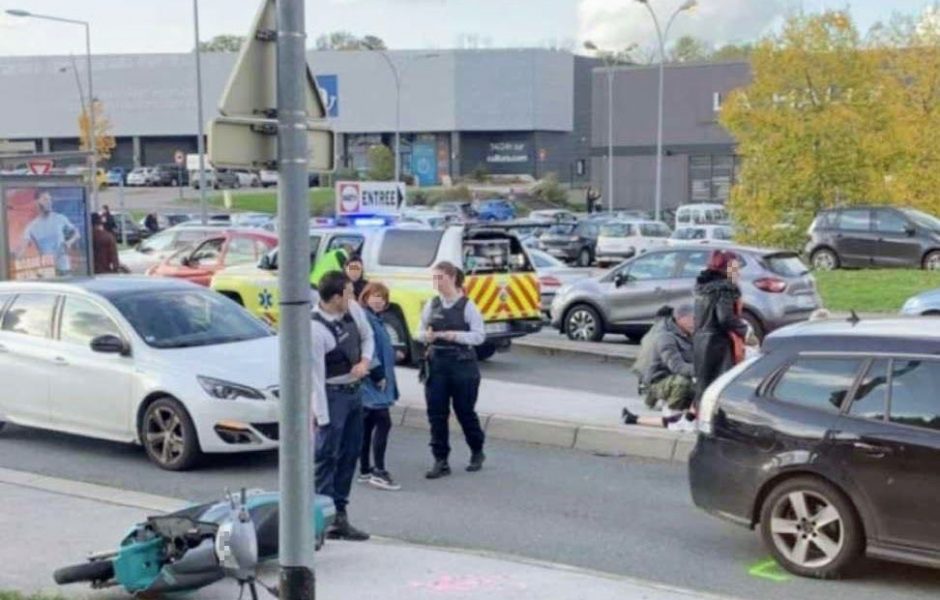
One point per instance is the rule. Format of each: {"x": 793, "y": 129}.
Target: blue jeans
{"x": 338, "y": 447}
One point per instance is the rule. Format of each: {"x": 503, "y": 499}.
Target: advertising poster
{"x": 46, "y": 232}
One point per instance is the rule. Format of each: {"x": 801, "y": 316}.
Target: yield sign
{"x": 40, "y": 166}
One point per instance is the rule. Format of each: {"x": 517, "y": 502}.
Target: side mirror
{"x": 620, "y": 279}
{"x": 265, "y": 263}
{"x": 186, "y": 262}
{"x": 110, "y": 344}
{"x": 910, "y": 230}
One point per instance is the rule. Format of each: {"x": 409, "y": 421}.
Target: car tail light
{"x": 549, "y": 281}
{"x": 708, "y": 407}
{"x": 771, "y": 284}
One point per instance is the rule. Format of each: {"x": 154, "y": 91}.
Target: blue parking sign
{"x": 328, "y": 85}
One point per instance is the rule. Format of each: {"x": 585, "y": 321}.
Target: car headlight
{"x": 226, "y": 390}
{"x": 911, "y": 307}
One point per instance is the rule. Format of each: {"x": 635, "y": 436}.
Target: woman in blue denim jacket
{"x": 379, "y": 393}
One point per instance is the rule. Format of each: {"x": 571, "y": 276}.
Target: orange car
{"x": 228, "y": 248}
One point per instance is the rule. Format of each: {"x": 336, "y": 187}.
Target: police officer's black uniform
{"x": 453, "y": 375}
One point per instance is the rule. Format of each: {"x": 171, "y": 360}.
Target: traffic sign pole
{"x": 296, "y": 454}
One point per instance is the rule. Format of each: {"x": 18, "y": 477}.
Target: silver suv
{"x": 777, "y": 288}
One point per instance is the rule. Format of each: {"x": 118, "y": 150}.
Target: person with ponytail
{"x": 451, "y": 326}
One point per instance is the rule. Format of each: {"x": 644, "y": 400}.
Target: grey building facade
{"x": 699, "y": 162}
{"x": 524, "y": 112}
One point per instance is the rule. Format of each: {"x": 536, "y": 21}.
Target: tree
{"x": 730, "y": 52}
{"x": 104, "y": 140}
{"x": 689, "y": 49}
{"x": 222, "y": 43}
{"x": 344, "y": 40}
{"x": 381, "y": 163}
{"x": 813, "y": 128}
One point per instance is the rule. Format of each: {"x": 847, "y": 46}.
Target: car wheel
{"x": 584, "y": 258}
{"x": 395, "y": 326}
{"x": 583, "y": 324}
{"x": 2, "y": 425}
{"x": 811, "y": 528}
{"x": 932, "y": 261}
{"x": 929, "y": 313}
{"x": 168, "y": 436}
{"x": 236, "y": 184}
{"x": 755, "y": 324}
{"x": 825, "y": 260}
{"x": 485, "y": 352}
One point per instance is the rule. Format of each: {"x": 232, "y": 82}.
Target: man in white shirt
{"x": 52, "y": 234}
{"x": 343, "y": 337}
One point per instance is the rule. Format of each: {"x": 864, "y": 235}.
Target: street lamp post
{"x": 398, "y": 77}
{"x": 92, "y": 133}
{"x": 661, "y": 36}
{"x": 200, "y": 141}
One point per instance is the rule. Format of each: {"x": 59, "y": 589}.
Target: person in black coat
{"x": 720, "y": 332}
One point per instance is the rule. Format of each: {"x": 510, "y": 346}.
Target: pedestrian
{"x": 151, "y": 223}
{"x": 110, "y": 224}
{"x": 669, "y": 374}
{"x": 355, "y": 270}
{"x": 591, "y": 198}
{"x": 332, "y": 260}
{"x": 342, "y": 335}
{"x": 451, "y": 326}
{"x": 379, "y": 393}
{"x": 104, "y": 247}
{"x": 644, "y": 357}
{"x": 720, "y": 332}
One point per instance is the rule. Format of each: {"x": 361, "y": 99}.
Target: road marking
{"x": 770, "y": 570}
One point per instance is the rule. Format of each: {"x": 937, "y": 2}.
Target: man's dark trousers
{"x": 339, "y": 445}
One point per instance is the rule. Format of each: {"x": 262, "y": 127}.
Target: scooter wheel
{"x": 95, "y": 571}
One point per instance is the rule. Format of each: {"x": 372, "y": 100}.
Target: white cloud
{"x": 615, "y": 24}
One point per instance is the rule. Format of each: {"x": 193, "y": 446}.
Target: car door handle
{"x": 872, "y": 450}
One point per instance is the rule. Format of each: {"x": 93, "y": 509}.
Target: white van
{"x": 701, "y": 214}
{"x": 620, "y": 240}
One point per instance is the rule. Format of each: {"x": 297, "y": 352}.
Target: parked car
{"x": 553, "y": 216}
{"x": 874, "y": 236}
{"x": 216, "y": 179}
{"x": 457, "y": 212}
{"x": 140, "y": 176}
{"x": 167, "y": 220}
{"x": 495, "y": 210}
{"x": 926, "y": 304}
{"x": 247, "y": 178}
{"x": 776, "y": 286}
{"x": 170, "y": 175}
{"x": 251, "y": 219}
{"x": 157, "y": 362}
{"x": 135, "y": 232}
{"x": 427, "y": 218}
{"x": 553, "y": 275}
{"x": 572, "y": 242}
{"x": 703, "y": 233}
{"x": 221, "y": 250}
{"x": 116, "y": 176}
{"x": 155, "y": 249}
{"x": 268, "y": 177}
{"x": 702, "y": 214}
{"x": 623, "y": 239}
{"x": 828, "y": 444}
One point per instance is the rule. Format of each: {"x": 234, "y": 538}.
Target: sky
{"x": 131, "y": 26}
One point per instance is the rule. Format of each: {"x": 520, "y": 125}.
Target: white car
{"x": 620, "y": 240}
{"x": 701, "y": 214}
{"x": 140, "y": 176}
{"x": 160, "y": 246}
{"x": 553, "y": 216}
{"x": 248, "y": 179}
{"x": 268, "y": 177}
{"x": 158, "y": 362}
{"x": 702, "y": 233}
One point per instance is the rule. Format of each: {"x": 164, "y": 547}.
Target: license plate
{"x": 496, "y": 327}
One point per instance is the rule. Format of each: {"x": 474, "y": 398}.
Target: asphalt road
{"x": 627, "y": 517}
{"x": 580, "y": 373}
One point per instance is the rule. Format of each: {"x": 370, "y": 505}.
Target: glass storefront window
{"x": 711, "y": 177}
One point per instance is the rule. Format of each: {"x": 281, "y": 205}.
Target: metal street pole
{"x": 200, "y": 141}
{"x": 661, "y": 37}
{"x": 296, "y": 550}
{"x": 123, "y": 212}
{"x": 610, "y": 137}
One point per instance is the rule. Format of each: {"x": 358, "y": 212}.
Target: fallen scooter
{"x": 196, "y": 547}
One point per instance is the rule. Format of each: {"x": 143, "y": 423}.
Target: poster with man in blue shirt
{"x": 45, "y": 227}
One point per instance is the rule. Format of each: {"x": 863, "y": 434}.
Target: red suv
{"x": 228, "y": 248}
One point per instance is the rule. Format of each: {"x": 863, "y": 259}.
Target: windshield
{"x": 922, "y": 219}
{"x": 561, "y": 229}
{"x": 689, "y": 233}
{"x": 188, "y": 318}
{"x": 545, "y": 261}
{"x": 787, "y": 265}
{"x": 617, "y": 230}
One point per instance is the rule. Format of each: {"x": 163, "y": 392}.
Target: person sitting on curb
{"x": 670, "y": 374}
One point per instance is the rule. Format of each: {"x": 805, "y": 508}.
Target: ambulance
{"x": 501, "y": 278}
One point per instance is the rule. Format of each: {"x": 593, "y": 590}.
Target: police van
{"x": 501, "y": 279}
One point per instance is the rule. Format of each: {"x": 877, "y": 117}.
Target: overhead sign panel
{"x": 252, "y": 144}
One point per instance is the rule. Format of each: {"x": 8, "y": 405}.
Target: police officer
{"x": 342, "y": 334}
{"x": 451, "y": 325}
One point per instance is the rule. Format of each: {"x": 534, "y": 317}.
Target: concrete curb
{"x": 608, "y": 353}
{"x": 635, "y": 442}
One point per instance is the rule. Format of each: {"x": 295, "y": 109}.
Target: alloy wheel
{"x": 164, "y": 436}
{"x": 933, "y": 262}
{"x": 807, "y": 529}
{"x": 824, "y": 260}
{"x": 582, "y": 325}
